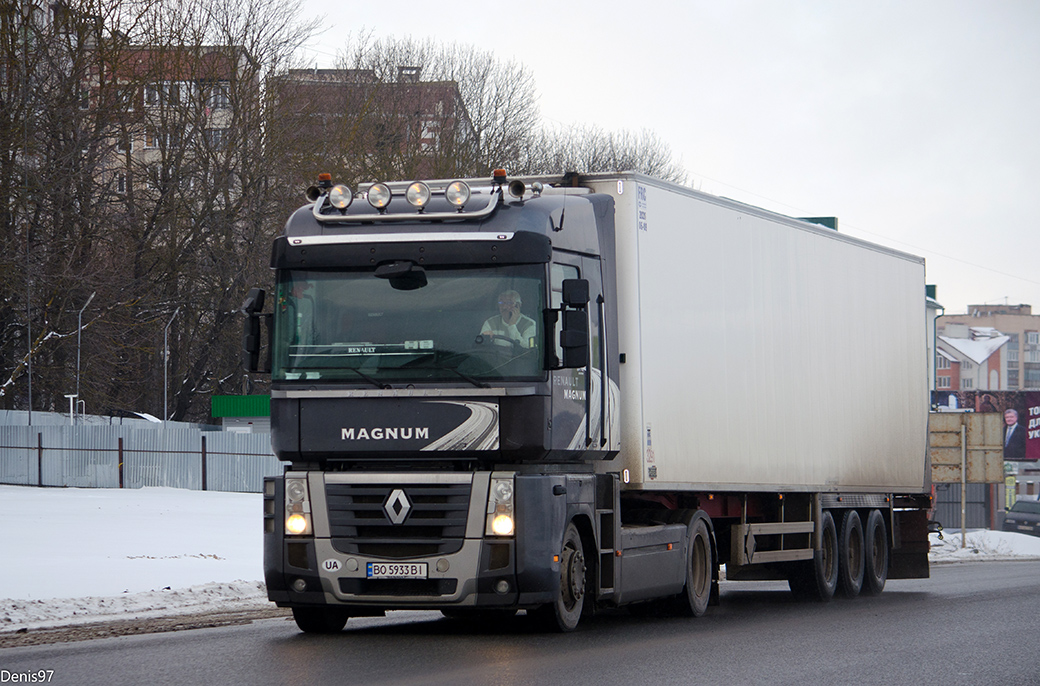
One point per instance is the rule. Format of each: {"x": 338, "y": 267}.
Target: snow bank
{"x": 983, "y": 544}
{"x": 36, "y": 614}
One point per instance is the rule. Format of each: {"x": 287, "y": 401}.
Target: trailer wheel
{"x": 699, "y": 568}
{"x": 563, "y": 613}
{"x": 320, "y": 620}
{"x": 850, "y": 547}
{"x": 817, "y": 579}
{"x": 875, "y": 553}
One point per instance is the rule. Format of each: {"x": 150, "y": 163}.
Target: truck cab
{"x": 443, "y": 377}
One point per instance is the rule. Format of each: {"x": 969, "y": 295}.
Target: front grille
{"x": 435, "y": 524}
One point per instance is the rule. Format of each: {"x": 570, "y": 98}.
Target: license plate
{"x": 397, "y": 570}
{"x": 1025, "y": 527}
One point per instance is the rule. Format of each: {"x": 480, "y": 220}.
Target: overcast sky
{"x": 915, "y": 122}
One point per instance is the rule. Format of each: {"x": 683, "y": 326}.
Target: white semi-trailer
{"x": 564, "y": 394}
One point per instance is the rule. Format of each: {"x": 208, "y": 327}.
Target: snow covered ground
{"x": 74, "y": 555}
{"x": 70, "y": 556}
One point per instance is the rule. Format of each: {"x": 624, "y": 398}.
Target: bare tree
{"x": 55, "y": 137}
{"x": 403, "y": 108}
{"x": 133, "y": 146}
{"x": 591, "y": 149}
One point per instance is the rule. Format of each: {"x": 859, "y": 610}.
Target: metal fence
{"x": 126, "y": 457}
{"x": 980, "y": 506}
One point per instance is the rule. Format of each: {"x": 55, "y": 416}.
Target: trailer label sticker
{"x": 641, "y": 208}
{"x": 651, "y": 469}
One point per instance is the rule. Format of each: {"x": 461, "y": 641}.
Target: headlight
{"x": 457, "y": 193}
{"x": 502, "y": 525}
{"x": 341, "y": 196}
{"x": 500, "y": 516}
{"x": 503, "y": 489}
{"x": 418, "y": 194}
{"x": 297, "y": 507}
{"x": 296, "y": 490}
{"x": 379, "y": 195}
{"x": 297, "y": 524}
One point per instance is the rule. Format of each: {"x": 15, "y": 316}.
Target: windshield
{"x": 1027, "y": 506}
{"x": 436, "y": 325}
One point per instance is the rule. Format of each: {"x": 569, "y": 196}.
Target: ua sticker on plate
{"x": 331, "y": 565}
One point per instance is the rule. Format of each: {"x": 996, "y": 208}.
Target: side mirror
{"x": 253, "y": 305}
{"x": 574, "y": 335}
{"x": 576, "y": 293}
{"x": 574, "y": 339}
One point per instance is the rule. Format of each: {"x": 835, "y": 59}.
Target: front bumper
{"x": 331, "y": 567}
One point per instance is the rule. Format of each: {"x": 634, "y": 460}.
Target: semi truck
{"x": 566, "y": 394}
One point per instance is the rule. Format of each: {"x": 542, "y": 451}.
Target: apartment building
{"x": 1022, "y": 328}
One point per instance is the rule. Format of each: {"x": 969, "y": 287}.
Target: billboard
{"x": 1020, "y": 410}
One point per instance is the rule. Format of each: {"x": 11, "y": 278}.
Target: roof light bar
{"x": 457, "y": 193}
{"x": 418, "y": 195}
{"x": 341, "y": 196}
{"x": 379, "y": 195}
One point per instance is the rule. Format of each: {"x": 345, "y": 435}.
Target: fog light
{"x": 341, "y": 196}
{"x": 457, "y": 193}
{"x": 300, "y": 585}
{"x": 442, "y": 565}
{"x": 379, "y": 195}
{"x": 418, "y": 194}
{"x": 501, "y": 587}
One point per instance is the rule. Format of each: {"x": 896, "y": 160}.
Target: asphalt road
{"x": 969, "y": 624}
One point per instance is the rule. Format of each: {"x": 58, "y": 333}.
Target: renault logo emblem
{"x": 397, "y": 506}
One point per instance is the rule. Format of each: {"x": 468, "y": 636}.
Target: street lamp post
{"x": 79, "y": 337}
{"x": 166, "y": 365}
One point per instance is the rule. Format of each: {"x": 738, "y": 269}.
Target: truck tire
{"x": 699, "y": 569}
{"x": 564, "y": 613}
{"x": 875, "y": 553}
{"x": 817, "y": 579}
{"x": 850, "y": 549}
{"x": 320, "y": 620}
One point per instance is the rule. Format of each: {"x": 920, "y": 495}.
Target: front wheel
{"x": 699, "y": 570}
{"x": 564, "y": 613}
{"x": 320, "y": 620}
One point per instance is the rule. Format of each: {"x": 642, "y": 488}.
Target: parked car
{"x": 1024, "y": 517}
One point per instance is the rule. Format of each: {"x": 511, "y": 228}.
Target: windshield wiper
{"x": 369, "y": 379}
{"x": 467, "y": 377}
{"x": 456, "y": 372}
